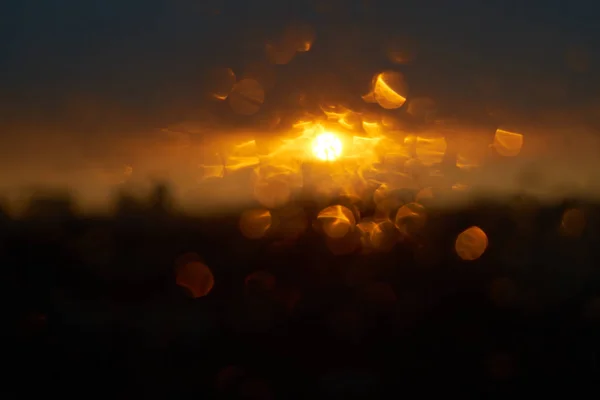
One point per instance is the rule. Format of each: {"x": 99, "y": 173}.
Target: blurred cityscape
{"x": 296, "y": 302}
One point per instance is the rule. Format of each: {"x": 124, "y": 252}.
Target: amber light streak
{"x": 507, "y": 144}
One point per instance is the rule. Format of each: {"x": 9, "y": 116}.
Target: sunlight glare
{"x": 327, "y": 147}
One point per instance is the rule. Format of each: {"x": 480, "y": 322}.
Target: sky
{"x": 79, "y": 78}
{"x": 127, "y": 49}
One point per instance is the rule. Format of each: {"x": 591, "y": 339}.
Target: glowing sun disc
{"x": 327, "y": 147}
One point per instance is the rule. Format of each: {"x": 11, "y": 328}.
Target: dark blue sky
{"x": 141, "y": 55}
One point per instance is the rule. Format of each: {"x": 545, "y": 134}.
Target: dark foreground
{"x": 94, "y": 309}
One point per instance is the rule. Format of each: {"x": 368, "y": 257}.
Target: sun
{"x": 327, "y": 147}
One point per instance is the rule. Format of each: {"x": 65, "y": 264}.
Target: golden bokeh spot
{"x": 242, "y": 156}
{"x": 336, "y": 221}
{"x": 433, "y": 180}
{"x": 471, "y": 243}
{"x": 410, "y": 218}
{"x": 364, "y": 148}
{"x": 390, "y": 90}
{"x": 304, "y": 46}
{"x": 414, "y": 168}
{"x": 254, "y": 224}
{"x": 471, "y": 149}
{"x": 384, "y": 236}
{"x": 266, "y": 171}
{"x": 507, "y": 144}
{"x": 295, "y": 38}
{"x": 369, "y": 98}
{"x": 573, "y": 222}
{"x": 212, "y": 165}
{"x": 327, "y": 147}
{"x": 300, "y": 36}
{"x": 263, "y": 72}
{"x": 352, "y": 201}
{"x": 424, "y": 195}
{"x": 334, "y": 111}
{"x": 273, "y": 192}
{"x": 467, "y": 161}
{"x": 350, "y": 120}
{"x": 221, "y": 82}
{"x": 392, "y": 123}
{"x": 387, "y": 200}
{"x": 372, "y": 125}
{"x": 247, "y": 96}
{"x": 364, "y": 228}
{"x": 430, "y": 150}
{"x": 237, "y": 163}
{"x": 460, "y": 187}
{"x": 410, "y": 141}
{"x": 382, "y": 192}
{"x": 195, "y": 277}
{"x": 324, "y": 189}
{"x": 280, "y": 52}
{"x": 245, "y": 149}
